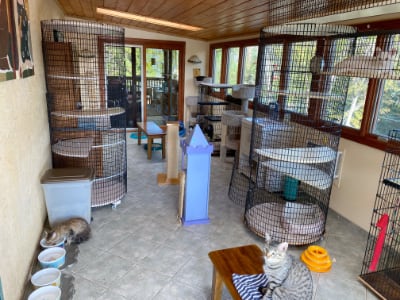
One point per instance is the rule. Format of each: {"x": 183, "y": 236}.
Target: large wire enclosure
{"x": 381, "y": 264}
{"x": 285, "y": 166}
{"x": 86, "y": 97}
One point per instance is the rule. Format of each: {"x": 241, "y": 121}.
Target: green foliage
{"x": 233, "y": 65}
{"x": 217, "y": 65}
{"x": 250, "y": 64}
{"x": 388, "y": 116}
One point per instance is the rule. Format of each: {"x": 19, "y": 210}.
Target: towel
{"x": 248, "y": 285}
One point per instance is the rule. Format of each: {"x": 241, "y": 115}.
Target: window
{"x": 358, "y": 86}
{"x": 271, "y": 66}
{"x": 249, "y": 64}
{"x": 373, "y": 104}
{"x": 387, "y": 109}
{"x": 234, "y": 62}
{"x": 232, "y": 65}
{"x": 217, "y": 65}
{"x": 299, "y": 78}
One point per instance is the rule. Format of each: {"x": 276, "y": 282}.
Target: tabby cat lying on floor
{"x": 75, "y": 230}
{"x": 288, "y": 279}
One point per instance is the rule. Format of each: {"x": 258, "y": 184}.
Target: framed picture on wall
{"x": 8, "y": 46}
{"x": 25, "y": 58}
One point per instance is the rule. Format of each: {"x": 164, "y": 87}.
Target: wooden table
{"x": 153, "y": 131}
{"x": 240, "y": 260}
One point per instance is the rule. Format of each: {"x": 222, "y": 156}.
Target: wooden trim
{"x": 239, "y": 43}
{"x": 378, "y": 25}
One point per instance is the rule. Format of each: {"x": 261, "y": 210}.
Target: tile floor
{"x": 140, "y": 251}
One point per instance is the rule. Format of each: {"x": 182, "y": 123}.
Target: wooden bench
{"x": 153, "y": 131}
{"x": 240, "y": 260}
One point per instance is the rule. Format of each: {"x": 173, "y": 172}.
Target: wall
{"x": 353, "y": 194}
{"x": 24, "y": 157}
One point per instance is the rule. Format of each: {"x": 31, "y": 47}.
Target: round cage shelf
{"x": 309, "y": 29}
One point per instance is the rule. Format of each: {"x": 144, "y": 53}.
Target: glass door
{"x": 155, "y": 80}
{"x": 133, "y": 62}
{"x": 162, "y": 85}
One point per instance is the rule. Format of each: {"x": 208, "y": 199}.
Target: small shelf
{"x": 216, "y": 85}
{"x": 120, "y": 142}
{"x": 73, "y": 77}
{"x": 213, "y": 103}
{"x": 307, "y": 94}
{"x": 308, "y": 155}
{"x": 90, "y": 113}
{"x": 213, "y": 118}
{"x": 79, "y": 147}
{"x": 364, "y": 73}
{"x": 305, "y": 173}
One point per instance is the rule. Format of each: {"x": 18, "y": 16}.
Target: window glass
{"x": 334, "y": 88}
{"x": 358, "y": 86}
{"x": 217, "y": 65}
{"x": 249, "y": 68}
{"x": 232, "y": 65}
{"x": 387, "y": 114}
{"x": 154, "y": 62}
{"x": 299, "y": 77}
{"x": 271, "y": 66}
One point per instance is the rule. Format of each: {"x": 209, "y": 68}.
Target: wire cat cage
{"x": 381, "y": 264}
{"x": 286, "y": 162}
{"x": 86, "y": 97}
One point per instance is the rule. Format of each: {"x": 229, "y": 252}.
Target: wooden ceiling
{"x": 220, "y": 19}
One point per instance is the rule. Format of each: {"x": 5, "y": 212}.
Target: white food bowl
{"x": 48, "y": 292}
{"x": 52, "y": 257}
{"x": 45, "y": 277}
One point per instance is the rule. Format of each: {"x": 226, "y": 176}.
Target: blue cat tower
{"x": 196, "y": 155}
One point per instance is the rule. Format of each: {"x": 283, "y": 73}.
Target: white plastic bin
{"x": 68, "y": 193}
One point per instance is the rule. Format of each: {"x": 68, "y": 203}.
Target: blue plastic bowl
{"x": 59, "y": 243}
{"x": 52, "y": 257}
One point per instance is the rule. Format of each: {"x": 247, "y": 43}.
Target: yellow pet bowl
{"x": 316, "y": 259}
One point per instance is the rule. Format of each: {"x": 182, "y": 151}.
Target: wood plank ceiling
{"x": 220, "y": 19}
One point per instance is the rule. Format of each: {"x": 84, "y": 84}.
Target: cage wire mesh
{"x": 286, "y": 11}
{"x": 381, "y": 264}
{"x": 86, "y": 97}
{"x": 285, "y": 166}
{"x": 210, "y": 110}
